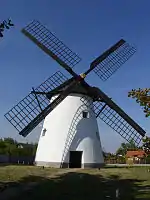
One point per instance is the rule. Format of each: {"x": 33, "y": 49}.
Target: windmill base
{"x": 66, "y": 165}
{"x": 71, "y": 139}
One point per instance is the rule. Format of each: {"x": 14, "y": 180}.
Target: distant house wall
{"x": 135, "y": 160}
{"x": 135, "y": 157}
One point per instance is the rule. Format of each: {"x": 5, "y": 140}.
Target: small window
{"x": 43, "y": 132}
{"x": 85, "y": 114}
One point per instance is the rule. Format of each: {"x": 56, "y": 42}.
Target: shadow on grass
{"x": 80, "y": 186}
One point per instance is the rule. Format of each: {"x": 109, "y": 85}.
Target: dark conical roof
{"x": 78, "y": 89}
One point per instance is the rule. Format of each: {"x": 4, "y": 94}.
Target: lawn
{"x": 29, "y": 182}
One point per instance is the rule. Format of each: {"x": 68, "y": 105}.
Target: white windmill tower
{"x": 70, "y": 107}
{"x": 70, "y": 135}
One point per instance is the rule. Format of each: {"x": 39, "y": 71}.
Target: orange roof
{"x": 139, "y": 153}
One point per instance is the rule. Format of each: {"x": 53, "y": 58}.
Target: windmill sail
{"x": 112, "y": 59}
{"x": 51, "y": 45}
{"x": 27, "y": 110}
{"x": 116, "y": 118}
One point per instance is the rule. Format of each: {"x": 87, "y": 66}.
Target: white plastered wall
{"x": 66, "y": 125}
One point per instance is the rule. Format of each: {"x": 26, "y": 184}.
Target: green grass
{"x": 17, "y": 172}
{"x": 66, "y": 184}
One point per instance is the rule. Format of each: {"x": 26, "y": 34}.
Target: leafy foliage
{"x": 122, "y": 150}
{"x": 146, "y": 145}
{"x": 5, "y": 25}
{"x": 142, "y": 97}
{"x": 8, "y": 146}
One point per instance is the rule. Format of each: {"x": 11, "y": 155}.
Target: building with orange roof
{"x": 135, "y": 157}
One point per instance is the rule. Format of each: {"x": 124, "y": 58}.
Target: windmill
{"x": 70, "y": 107}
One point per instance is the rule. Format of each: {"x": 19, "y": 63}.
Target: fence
{"x": 127, "y": 161}
{"x": 10, "y": 159}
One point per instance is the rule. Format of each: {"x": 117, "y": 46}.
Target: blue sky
{"x": 88, "y": 28}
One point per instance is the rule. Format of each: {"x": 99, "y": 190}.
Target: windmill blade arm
{"x": 42, "y": 115}
{"x": 114, "y": 116}
{"x": 33, "y": 91}
{"x": 106, "y": 53}
{"x": 28, "y": 108}
{"x": 102, "y": 96}
{"x": 50, "y": 91}
{"x": 48, "y": 109}
{"x": 112, "y": 59}
{"x": 51, "y": 45}
{"x": 26, "y": 124}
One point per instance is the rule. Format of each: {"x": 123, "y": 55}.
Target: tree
{"x": 9, "y": 141}
{"x": 122, "y": 150}
{"x": 146, "y": 145}
{"x": 9, "y": 146}
{"x": 5, "y": 25}
{"x": 142, "y": 97}
{"x": 2, "y": 147}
